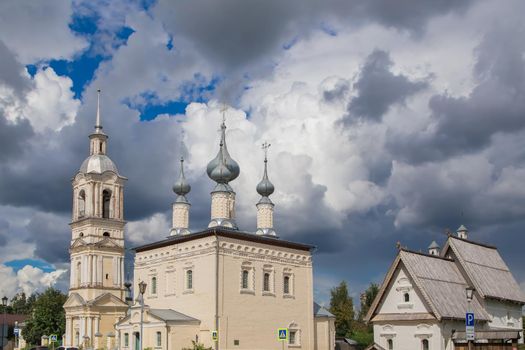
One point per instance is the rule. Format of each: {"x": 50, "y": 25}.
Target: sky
{"x": 389, "y": 121}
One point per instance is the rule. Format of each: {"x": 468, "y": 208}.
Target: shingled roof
{"x": 439, "y": 281}
{"x": 486, "y": 269}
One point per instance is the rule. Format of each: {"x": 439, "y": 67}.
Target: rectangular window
{"x": 189, "y": 279}
{"x": 245, "y": 275}
{"x": 126, "y": 339}
{"x": 266, "y": 282}
{"x": 159, "y": 339}
{"x": 286, "y": 285}
{"x": 292, "y": 337}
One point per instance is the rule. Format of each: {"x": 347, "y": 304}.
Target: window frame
{"x": 154, "y": 285}
{"x": 423, "y": 344}
{"x": 296, "y": 330}
{"x": 268, "y": 270}
{"x": 158, "y": 339}
{"x": 126, "y": 340}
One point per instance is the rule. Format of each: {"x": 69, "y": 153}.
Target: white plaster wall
{"x": 408, "y": 335}
{"x": 504, "y": 315}
{"x": 394, "y": 302}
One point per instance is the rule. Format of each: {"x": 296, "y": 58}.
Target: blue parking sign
{"x": 469, "y": 319}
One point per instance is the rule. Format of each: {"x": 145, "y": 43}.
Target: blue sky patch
{"x": 19, "y": 264}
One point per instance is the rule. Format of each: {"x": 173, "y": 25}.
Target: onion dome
{"x": 181, "y": 186}
{"x": 265, "y": 187}
{"x": 223, "y": 169}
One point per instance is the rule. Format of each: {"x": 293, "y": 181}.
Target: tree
{"x": 22, "y": 305}
{"x": 47, "y": 316}
{"x": 367, "y": 298}
{"x": 342, "y": 306}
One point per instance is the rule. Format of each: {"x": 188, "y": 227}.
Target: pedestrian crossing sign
{"x": 53, "y": 338}
{"x": 282, "y": 334}
{"x": 214, "y": 336}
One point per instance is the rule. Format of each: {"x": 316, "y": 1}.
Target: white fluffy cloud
{"x": 28, "y": 279}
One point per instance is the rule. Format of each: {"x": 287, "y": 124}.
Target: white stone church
{"x": 221, "y": 287}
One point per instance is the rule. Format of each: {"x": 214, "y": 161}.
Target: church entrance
{"x": 137, "y": 341}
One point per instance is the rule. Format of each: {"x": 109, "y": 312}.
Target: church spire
{"x": 265, "y": 206}
{"x": 98, "y": 125}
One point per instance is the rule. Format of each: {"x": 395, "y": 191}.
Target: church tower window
{"x": 406, "y": 297}
{"x": 105, "y": 234}
{"x": 106, "y": 200}
{"x": 424, "y": 344}
{"x": 81, "y": 204}
{"x": 390, "y": 344}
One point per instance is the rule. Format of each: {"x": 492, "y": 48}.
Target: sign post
{"x": 53, "y": 339}
{"x": 282, "y": 335}
{"x": 470, "y": 334}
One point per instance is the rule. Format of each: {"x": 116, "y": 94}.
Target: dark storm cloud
{"x": 51, "y": 236}
{"x": 234, "y": 34}
{"x": 495, "y": 105}
{"x": 11, "y": 71}
{"x": 13, "y": 138}
{"x": 378, "y": 88}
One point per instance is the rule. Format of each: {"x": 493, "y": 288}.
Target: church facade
{"x": 221, "y": 287}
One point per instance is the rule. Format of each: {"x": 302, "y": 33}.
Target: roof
{"x": 486, "y": 270}
{"x": 10, "y": 319}
{"x": 98, "y": 163}
{"x": 171, "y": 315}
{"x": 439, "y": 281}
{"x": 375, "y": 347}
{"x": 433, "y": 245}
{"x": 321, "y": 311}
{"x": 224, "y": 232}
{"x": 491, "y": 334}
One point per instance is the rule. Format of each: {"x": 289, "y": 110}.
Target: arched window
{"x": 390, "y": 344}
{"x": 286, "y": 285}
{"x": 81, "y": 204}
{"x": 406, "y": 297}
{"x": 106, "y": 200}
{"x": 424, "y": 344}
{"x": 266, "y": 282}
{"x": 189, "y": 279}
{"x": 154, "y": 285}
{"x": 105, "y": 234}
{"x": 78, "y": 273}
{"x": 245, "y": 275}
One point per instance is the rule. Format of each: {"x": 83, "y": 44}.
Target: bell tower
{"x": 96, "y": 288}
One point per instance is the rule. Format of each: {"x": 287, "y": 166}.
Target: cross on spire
{"x": 265, "y": 147}
{"x": 224, "y": 108}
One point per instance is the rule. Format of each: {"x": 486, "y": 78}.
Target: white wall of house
{"x": 408, "y": 335}
{"x": 395, "y": 302}
{"x": 504, "y": 315}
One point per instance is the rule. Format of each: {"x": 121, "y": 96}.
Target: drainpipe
{"x": 216, "y": 287}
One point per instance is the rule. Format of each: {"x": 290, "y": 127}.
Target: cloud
{"x": 37, "y": 31}
{"x": 378, "y": 88}
{"x": 495, "y": 105}
{"x": 28, "y": 279}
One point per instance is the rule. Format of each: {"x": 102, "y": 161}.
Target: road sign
{"x": 282, "y": 334}
{"x": 16, "y": 331}
{"x": 53, "y": 338}
{"x": 214, "y": 335}
{"x": 469, "y": 326}
{"x": 469, "y": 319}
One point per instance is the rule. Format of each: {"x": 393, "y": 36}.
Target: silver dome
{"x": 98, "y": 163}
{"x": 223, "y": 169}
{"x": 181, "y": 186}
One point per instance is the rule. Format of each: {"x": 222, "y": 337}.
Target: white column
{"x": 89, "y": 329}
{"x": 68, "y": 330}
{"x": 100, "y": 277}
{"x": 122, "y": 280}
{"x": 82, "y": 320}
{"x": 121, "y": 202}
{"x": 72, "y": 274}
{"x": 114, "y": 265}
{"x": 83, "y": 268}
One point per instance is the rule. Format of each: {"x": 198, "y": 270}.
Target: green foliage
{"x": 367, "y": 299}
{"x": 47, "y": 316}
{"x": 363, "y": 337}
{"x": 197, "y": 346}
{"x": 342, "y": 306}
